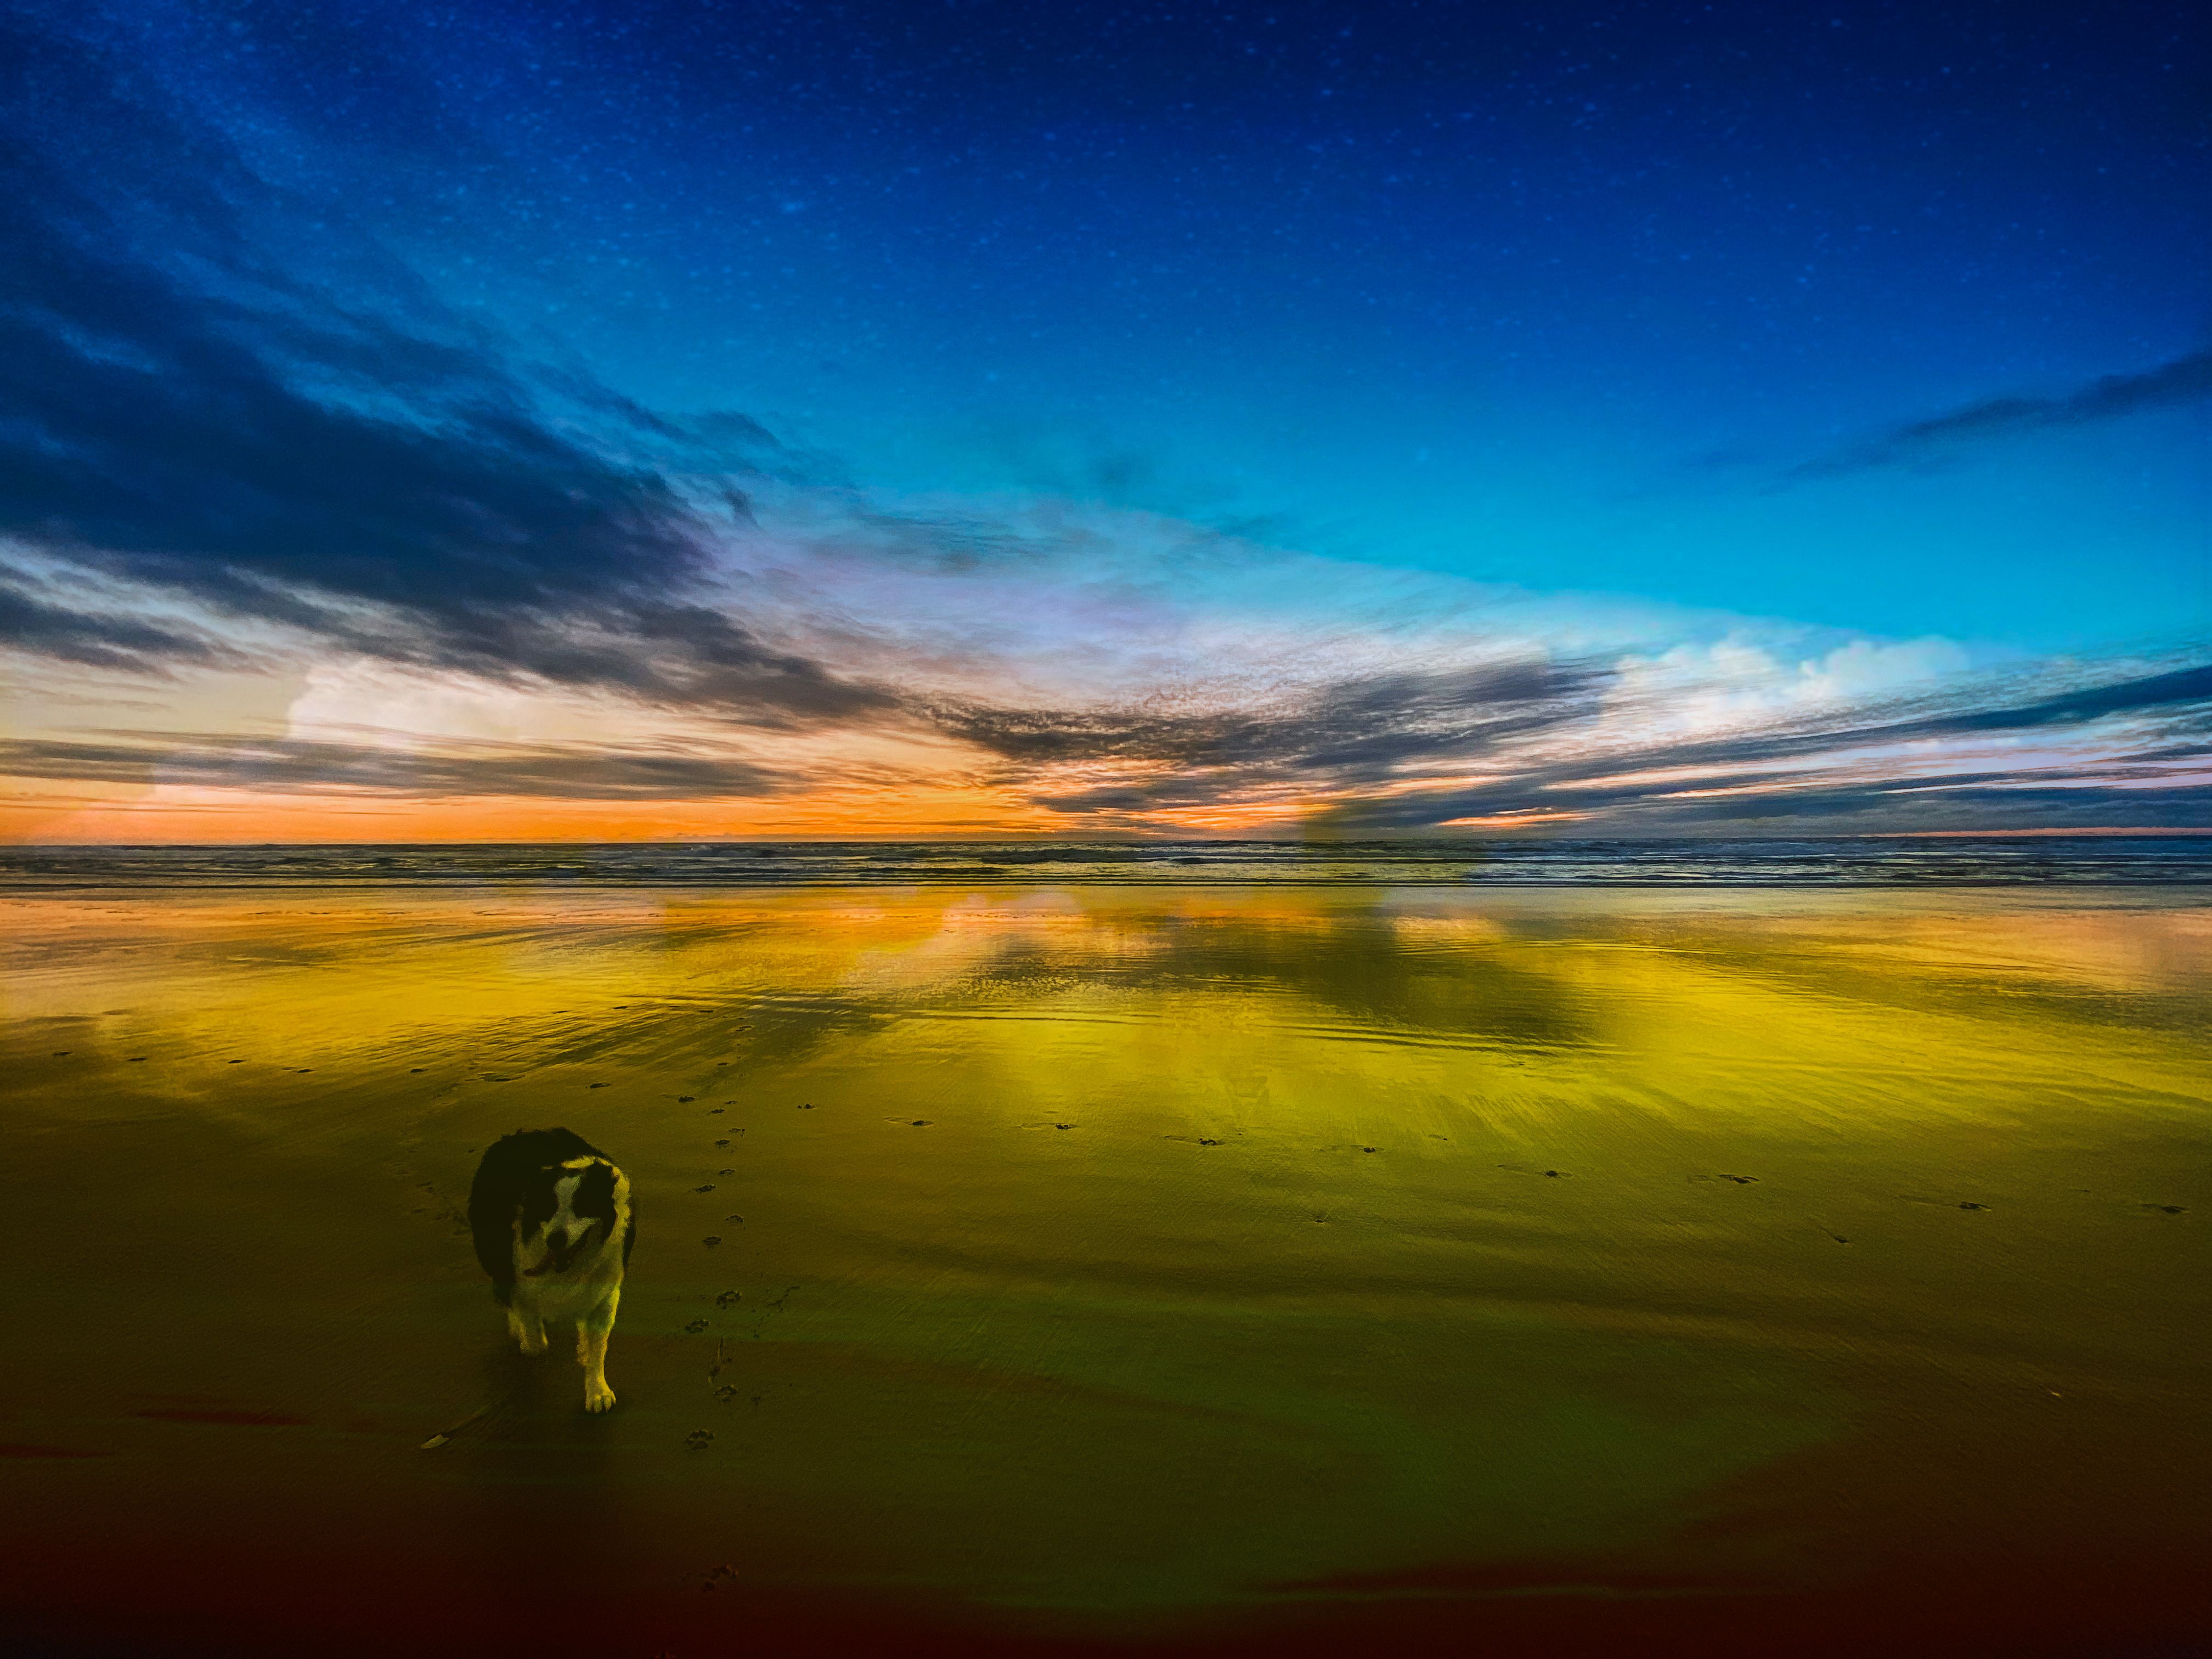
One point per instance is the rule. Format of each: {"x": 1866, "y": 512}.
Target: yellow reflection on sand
{"x": 1115, "y": 1250}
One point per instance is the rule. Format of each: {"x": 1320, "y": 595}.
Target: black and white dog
{"x": 551, "y": 1217}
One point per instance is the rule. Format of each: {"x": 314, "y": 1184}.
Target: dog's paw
{"x": 598, "y": 1397}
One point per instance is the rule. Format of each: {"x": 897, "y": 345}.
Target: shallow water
{"x": 1768, "y": 1271}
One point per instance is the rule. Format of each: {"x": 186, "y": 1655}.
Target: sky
{"x": 666, "y": 421}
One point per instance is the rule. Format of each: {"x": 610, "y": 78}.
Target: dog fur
{"x": 551, "y": 1217}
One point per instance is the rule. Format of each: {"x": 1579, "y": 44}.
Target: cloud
{"x": 2024, "y": 800}
{"x": 1607, "y": 753}
{"x": 2185, "y": 379}
{"x": 1732, "y": 683}
{"x": 1363, "y": 727}
{"x": 1845, "y": 772}
{"x": 1973, "y": 710}
{"x": 31, "y": 623}
{"x": 2178, "y": 688}
{"x": 286, "y": 766}
{"x": 177, "y": 412}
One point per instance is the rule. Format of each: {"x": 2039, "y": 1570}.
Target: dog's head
{"x": 567, "y": 1211}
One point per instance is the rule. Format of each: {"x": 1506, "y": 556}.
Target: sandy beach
{"x": 1046, "y": 1267}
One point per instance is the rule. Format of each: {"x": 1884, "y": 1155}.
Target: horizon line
{"x": 1317, "y": 844}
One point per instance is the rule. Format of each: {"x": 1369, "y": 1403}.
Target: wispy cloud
{"x": 2185, "y": 379}
{"x": 31, "y": 623}
{"x": 1841, "y": 771}
{"x": 296, "y": 766}
{"x": 1355, "y": 730}
{"x": 1601, "y": 750}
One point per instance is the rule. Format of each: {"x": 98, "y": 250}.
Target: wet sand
{"x": 1210, "y": 1269}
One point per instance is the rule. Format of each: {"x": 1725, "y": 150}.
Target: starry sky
{"x": 666, "y": 419}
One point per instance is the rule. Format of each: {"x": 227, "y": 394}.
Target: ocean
{"x": 1843, "y": 862}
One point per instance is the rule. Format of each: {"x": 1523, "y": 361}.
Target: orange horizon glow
{"x": 921, "y": 813}
{"x": 947, "y": 814}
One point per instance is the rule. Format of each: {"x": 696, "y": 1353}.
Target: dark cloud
{"x": 179, "y": 410}
{"x": 30, "y": 624}
{"x": 1785, "y": 804}
{"x": 2147, "y": 693}
{"x": 1356, "y": 731}
{"x": 2025, "y": 802}
{"x": 299, "y": 766}
{"x": 2185, "y": 381}
{"x": 2169, "y": 751}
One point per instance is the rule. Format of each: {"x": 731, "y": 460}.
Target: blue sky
{"x": 1612, "y": 335}
{"x": 1549, "y": 295}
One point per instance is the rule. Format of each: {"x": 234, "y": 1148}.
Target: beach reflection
{"x": 1108, "y": 1257}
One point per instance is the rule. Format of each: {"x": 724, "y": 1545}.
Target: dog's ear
{"x": 493, "y": 1198}
{"x": 595, "y": 1193}
{"x": 604, "y": 1195}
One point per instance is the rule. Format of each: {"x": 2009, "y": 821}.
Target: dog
{"x": 550, "y": 1214}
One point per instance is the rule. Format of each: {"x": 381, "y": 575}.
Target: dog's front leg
{"x": 591, "y": 1332}
{"x": 525, "y": 1326}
